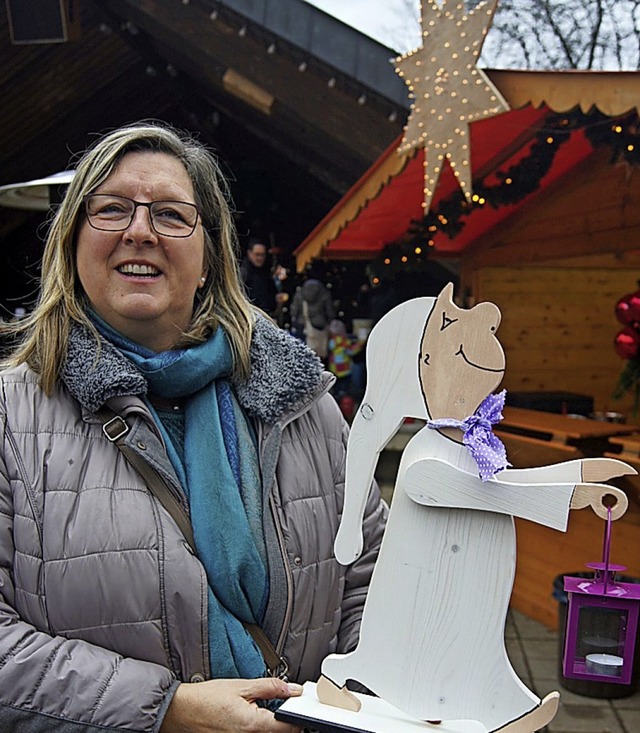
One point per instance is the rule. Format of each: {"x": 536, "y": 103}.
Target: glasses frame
{"x": 136, "y": 204}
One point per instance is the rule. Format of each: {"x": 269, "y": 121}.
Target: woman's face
{"x": 142, "y": 283}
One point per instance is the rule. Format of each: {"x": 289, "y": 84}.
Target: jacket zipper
{"x": 283, "y": 551}
{"x": 279, "y": 647}
{"x": 27, "y": 484}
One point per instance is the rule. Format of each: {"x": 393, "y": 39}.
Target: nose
{"x": 140, "y": 229}
{"x": 490, "y": 315}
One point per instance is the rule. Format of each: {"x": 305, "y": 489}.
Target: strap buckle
{"x": 115, "y": 429}
{"x": 281, "y": 671}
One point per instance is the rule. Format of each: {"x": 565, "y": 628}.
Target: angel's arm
{"x": 435, "y": 482}
{"x": 587, "y": 470}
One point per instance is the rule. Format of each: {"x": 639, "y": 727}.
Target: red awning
{"x": 380, "y": 207}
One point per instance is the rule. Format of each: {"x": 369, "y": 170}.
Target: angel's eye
{"x": 446, "y": 321}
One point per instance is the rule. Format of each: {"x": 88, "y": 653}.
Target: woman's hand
{"x": 228, "y": 706}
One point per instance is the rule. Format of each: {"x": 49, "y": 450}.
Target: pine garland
{"x": 621, "y": 135}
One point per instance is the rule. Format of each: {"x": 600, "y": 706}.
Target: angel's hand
{"x": 597, "y": 470}
{"x": 599, "y": 497}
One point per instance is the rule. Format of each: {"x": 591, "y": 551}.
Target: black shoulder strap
{"x": 115, "y": 428}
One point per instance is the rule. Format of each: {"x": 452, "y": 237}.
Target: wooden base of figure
{"x": 374, "y": 716}
{"x": 537, "y": 718}
{"x": 350, "y": 712}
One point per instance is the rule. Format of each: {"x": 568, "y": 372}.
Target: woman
{"x": 111, "y": 617}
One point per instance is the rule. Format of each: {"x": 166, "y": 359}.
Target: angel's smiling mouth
{"x": 460, "y": 352}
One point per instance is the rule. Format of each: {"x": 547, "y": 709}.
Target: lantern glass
{"x": 601, "y": 639}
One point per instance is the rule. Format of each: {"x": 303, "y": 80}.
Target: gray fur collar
{"x": 284, "y": 372}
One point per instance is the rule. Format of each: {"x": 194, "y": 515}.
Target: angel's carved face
{"x": 461, "y": 360}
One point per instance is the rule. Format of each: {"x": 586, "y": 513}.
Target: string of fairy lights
{"x": 411, "y": 255}
{"x": 514, "y": 183}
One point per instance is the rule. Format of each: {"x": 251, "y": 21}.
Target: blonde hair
{"x": 221, "y": 301}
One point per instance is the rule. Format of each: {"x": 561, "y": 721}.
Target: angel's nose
{"x": 489, "y": 314}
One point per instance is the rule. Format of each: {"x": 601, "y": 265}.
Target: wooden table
{"x": 560, "y": 428}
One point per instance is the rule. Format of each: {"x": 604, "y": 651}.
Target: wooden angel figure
{"x": 432, "y": 634}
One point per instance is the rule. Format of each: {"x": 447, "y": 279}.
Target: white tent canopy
{"x": 33, "y": 195}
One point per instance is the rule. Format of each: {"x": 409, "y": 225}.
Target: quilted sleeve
{"x": 53, "y": 684}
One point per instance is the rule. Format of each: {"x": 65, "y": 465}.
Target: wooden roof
{"x": 294, "y": 131}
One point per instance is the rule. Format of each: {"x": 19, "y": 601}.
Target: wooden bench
{"x": 626, "y": 448}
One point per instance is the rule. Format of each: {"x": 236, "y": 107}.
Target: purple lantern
{"x": 602, "y": 623}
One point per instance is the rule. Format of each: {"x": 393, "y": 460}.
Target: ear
{"x": 447, "y": 292}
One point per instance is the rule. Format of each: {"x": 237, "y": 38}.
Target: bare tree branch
{"x": 557, "y": 34}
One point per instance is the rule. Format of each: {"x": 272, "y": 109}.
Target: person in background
{"x": 342, "y": 350}
{"x": 263, "y": 285}
{"x": 124, "y": 607}
{"x": 311, "y": 310}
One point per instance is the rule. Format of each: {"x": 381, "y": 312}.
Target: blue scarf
{"x": 221, "y": 479}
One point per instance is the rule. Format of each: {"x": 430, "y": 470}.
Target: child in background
{"x": 342, "y": 349}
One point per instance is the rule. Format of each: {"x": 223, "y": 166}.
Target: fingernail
{"x": 294, "y": 688}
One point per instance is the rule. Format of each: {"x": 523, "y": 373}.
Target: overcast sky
{"x": 392, "y": 22}
{"x": 396, "y": 23}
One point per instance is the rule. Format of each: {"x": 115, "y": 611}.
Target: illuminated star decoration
{"x": 448, "y": 90}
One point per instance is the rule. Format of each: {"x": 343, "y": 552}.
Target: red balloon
{"x": 627, "y": 343}
{"x": 628, "y": 309}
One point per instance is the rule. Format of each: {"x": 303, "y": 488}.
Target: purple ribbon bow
{"x": 487, "y": 450}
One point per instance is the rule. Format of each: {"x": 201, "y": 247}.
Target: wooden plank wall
{"x": 558, "y": 327}
{"x": 556, "y": 269}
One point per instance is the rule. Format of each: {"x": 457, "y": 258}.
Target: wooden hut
{"x": 555, "y": 259}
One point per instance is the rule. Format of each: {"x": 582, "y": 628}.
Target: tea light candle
{"x": 606, "y": 664}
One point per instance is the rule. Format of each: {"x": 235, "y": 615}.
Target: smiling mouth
{"x": 138, "y": 270}
{"x": 460, "y": 352}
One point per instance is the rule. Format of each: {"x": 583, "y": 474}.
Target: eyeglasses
{"x": 110, "y": 213}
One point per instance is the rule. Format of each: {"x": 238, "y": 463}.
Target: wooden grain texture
{"x": 526, "y": 452}
{"x": 375, "y": 716}
{"x": 558, "y": 328}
